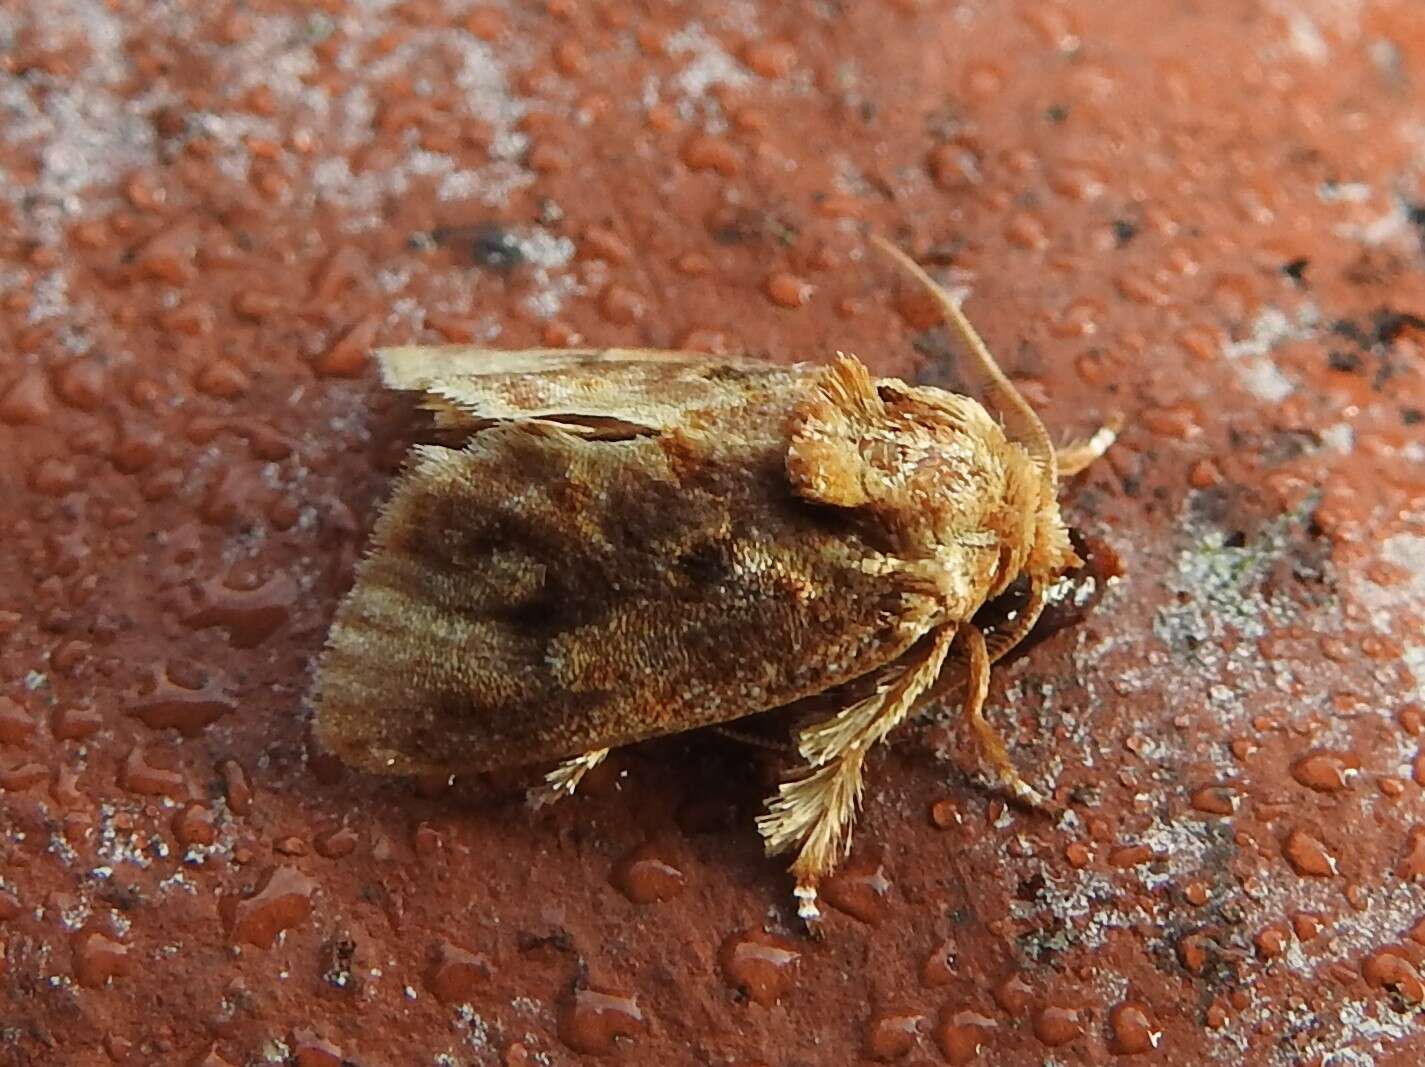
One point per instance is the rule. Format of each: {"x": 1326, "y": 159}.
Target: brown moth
{"x": 628, "y": 543}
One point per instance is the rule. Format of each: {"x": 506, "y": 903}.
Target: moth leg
{"x": 751, "y": 740}
{"x": 970, "y": 644}
{"x": 1077, "y": 455}
{"x": 565, "y": 778}
{"x": 814, "y": 811}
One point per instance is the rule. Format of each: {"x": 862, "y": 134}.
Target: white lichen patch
{"x": 1251, "y": 357}
{"x": 706, "y": 65}
{"x": 1219, "y": 585}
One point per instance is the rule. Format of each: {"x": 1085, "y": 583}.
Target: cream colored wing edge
{"x": 417, "y": 366}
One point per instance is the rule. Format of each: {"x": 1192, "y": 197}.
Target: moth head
{"x": 1034, "y": 540}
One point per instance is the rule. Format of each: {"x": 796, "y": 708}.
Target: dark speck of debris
{"x": 1391, "y": 324}
{"x": 1412, "y": 416}
{"x": 1416, "y": 214}
{"x": 1349, "y": 330}
{"x": 1345, "y": 362}
{"x": 489, "y": 245}
{"x": 1056, "y": 113}
{"x": 1296, "y": 269}
{"x": 495, "y": 248}
{"x": 1124, "y": 231}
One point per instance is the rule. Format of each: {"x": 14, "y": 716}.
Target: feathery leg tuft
{"x": 816, "y": 809}
{"x": 565, "y": 778}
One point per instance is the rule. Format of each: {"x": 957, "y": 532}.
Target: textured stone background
{"x": 1205, "y": 213}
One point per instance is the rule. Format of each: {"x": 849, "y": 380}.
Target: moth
{"x": 627, "y": 543}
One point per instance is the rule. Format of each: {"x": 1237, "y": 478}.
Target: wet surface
{"x": 1208, "y": 216}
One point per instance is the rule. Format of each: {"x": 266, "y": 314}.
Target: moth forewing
{"x": 633, "y": 542}
{"x": 595, "y": 393}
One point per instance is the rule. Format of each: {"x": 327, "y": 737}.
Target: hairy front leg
{"x": 814, "y": 811}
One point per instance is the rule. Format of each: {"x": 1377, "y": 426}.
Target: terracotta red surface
{"x": 1206, "y": 215}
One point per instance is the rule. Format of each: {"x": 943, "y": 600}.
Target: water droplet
{"x": 81, "y": 383}
{"x": 212, "y": 1059}
{"x": 962, "y": 1034}
{"x": 645, "y": 876}
{"x": 1325, "y": 772}
{"x": 236, "y": 788}
{"x": 16, "y": 724}
{"x": 347, "y": 357}
{"x": 944, "y": 814}
{"x": 1053, "y": 24}
{"x": 195, "y": 825}
{"x": 135, "y": 448}
{"x": 250, "y": 609}
{"x": 1412, "y": 863}
{"x": 1215, "y": 800}
{"x": 1013, "y": 994}
{"x": 152, "y": 772}
{"x": 890, "y": 1034}
{"x": 621, "y": 305}
{"x": 1179, "y": 421}
{"x": 954, "y": 166}
{"x": 280, "y": 901}
{"x": 1271, "y": 941}
{"x": 26, "y": 401}
{"x": 1390, "y": 968}
{"x": 1417, "y": 932}
{"x": 938, "y": 968}
{"x": 771, "y": 59}
{"x": 455, "y": 974}
{"x": 760, "y": 964}
{"x": 1076, "y": 182}
{"x": 1133, "y": 1028}
{"x": 1307, "y": 855}
{"x": 1080, "y": 319}
{"x": 169, "y": 256}
{"x": 53, "y": 476}
{"x": 71, "y": 723}
{"x": 570, "y": 57}
{"x": 97, "y": 960}
{"x": 547, "y": 158}
{"x": 787, "y": 290}
{"x": 309, "y": 1050}
{"x": 1027, "y": 231}
{"x": 223, "y": 379}
{"x": 1057, "y": 1024}
{"x": 859, "y": 891}
{"x": 598, "y": 1023}
{"x": 344, "y": 269}
{"x": 1129, "y": 856}
{"x": 602, "y": 242}
{"x": 185, "y": 698}
{"x": 486, "y": 23}
{"x": 983, "y": 80}
{"x": 710, "y": 152}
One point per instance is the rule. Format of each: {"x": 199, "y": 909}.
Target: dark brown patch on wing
{"x": 537, "y": 595}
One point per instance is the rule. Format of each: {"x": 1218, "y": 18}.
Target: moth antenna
{"x": 1022, "y": 421}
